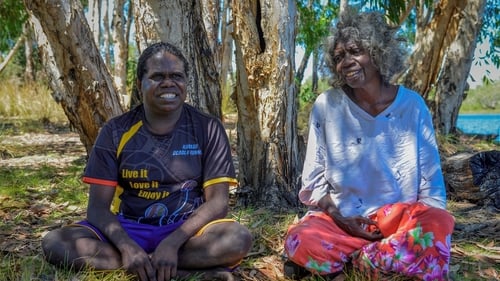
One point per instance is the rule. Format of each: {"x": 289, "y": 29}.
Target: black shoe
{"x": 294, "y": 271}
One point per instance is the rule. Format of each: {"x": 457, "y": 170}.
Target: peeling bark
{"x": 456, "y": 65}
{"x": 120, "y": 47}
{"x": 180, "y": 23}
{"x": 425, "y": 61}
{"x": 78, "y": 76}
{"x": 270, "y": 165}
{"x": 444, "y": 48}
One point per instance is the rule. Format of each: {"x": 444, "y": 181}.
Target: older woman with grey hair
{"x": 372, "y": 175}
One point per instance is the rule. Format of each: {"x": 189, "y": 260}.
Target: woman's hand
{"x": 356, "y": 226}
{"x": 136, "y": 261}
{"x": 134, "y": 258}
{"x": 165, "y": 260}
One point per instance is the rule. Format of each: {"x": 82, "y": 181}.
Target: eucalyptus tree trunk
{"x": 264, "y": 34}
{"x": 299, "y": 74}
{"x": 432, "y": 38}
{"x": 29, "y": 71}
{"x": 343, "y": 6}
{"x": 106, "y": 32}
{"x": 211, "y": 15}
{"x": 94, "y": 19}
{"x": 226, "y": 49}
{"x": 452, "y": 81}
{"x": 180, "y": 23}
{"x": 78, "y": 76}
{"x": 315, "y": 76}
{"x": 120, "y": 50}
{"x": 444, "y": 47}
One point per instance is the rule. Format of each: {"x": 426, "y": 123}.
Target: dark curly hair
{"x": 371, "y": 32}
{"x": 156, "y": 48}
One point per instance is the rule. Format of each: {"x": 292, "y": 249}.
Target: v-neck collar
{"x": 383, "y": 113}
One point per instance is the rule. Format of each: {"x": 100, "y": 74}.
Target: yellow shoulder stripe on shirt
{"x": 127, "y": 136}
{"x": 115, "y": 204}
{"x": 231, "y": 181}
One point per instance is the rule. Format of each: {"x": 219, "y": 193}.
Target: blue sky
{"x": 478, "y": 70}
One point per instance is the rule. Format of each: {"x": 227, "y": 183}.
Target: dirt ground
{"x": 476, "y": 227}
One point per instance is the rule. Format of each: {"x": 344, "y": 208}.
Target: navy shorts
{"x": 145, "y": 235}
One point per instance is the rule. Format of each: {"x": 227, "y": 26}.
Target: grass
{"x": 485, "y": 99}
{"x": 38, "y": 194}
{"x": 38, "y": 199}
{"x": 29, "y": 101}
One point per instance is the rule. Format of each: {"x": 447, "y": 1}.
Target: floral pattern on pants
{"x": 417, "y": 242}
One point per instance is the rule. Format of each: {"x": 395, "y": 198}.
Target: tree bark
{"x": 456, "y": 65}
{"x": 474, "y": 177}
{"x": 211, "y": 15}
{"x": 458, "y": 178}
{"x": 78, "y": 76}
{"x": 180, "y": 23}
{"x": 299, "y": 74}
{"x": 430, "y": 43}
{"x": 120, "y": 51}
{"x": 444, "y": 47}
{"x": 226, "y": 51}
{"x": 106, "y": 33}
{"x": 315, "y": 77}
{"x": 29, "y": 71}
{"x": 264, "y": 33}
{"x": 94, "y": 19}
{"x": 343, "y": 6}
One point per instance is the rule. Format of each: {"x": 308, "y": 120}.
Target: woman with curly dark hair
{"x": 372, "y": 175}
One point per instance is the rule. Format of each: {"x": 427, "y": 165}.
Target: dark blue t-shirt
{"x": 159, "y": 179}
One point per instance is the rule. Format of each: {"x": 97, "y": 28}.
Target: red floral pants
{"x": 417, "y": 242}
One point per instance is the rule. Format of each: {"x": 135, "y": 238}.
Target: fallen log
{"x": 458, "y": 178}
{"x": 474, "y": 177}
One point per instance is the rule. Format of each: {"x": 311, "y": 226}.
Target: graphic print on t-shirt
{"x": 159, "y": 179}
{"x": 160, "y": 212}
{"x": 160, "y": 190}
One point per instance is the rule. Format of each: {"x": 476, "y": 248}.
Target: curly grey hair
{"x": 371, "y": 32}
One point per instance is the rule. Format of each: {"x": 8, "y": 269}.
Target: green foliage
{"x": 483, "y": 99}
{"x": 395, "y": 8}
{"x": 228, "y": 104}
{"x": 16, "y": 68}
{"x": 133, "y": 56}
{"x": 12, "y": 17}
{"x": 307, "y": 95}
{"x": 490, "y": 32}
{"x": 314, "y": 23}
{"x": 306, "y": 99}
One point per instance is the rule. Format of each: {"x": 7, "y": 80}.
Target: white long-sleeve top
{"x": 365, "y": 162}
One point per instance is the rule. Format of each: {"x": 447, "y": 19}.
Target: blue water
{"x": 480, "y": 124}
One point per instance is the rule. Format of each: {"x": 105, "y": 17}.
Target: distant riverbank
{"x": 480, "y": 124}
